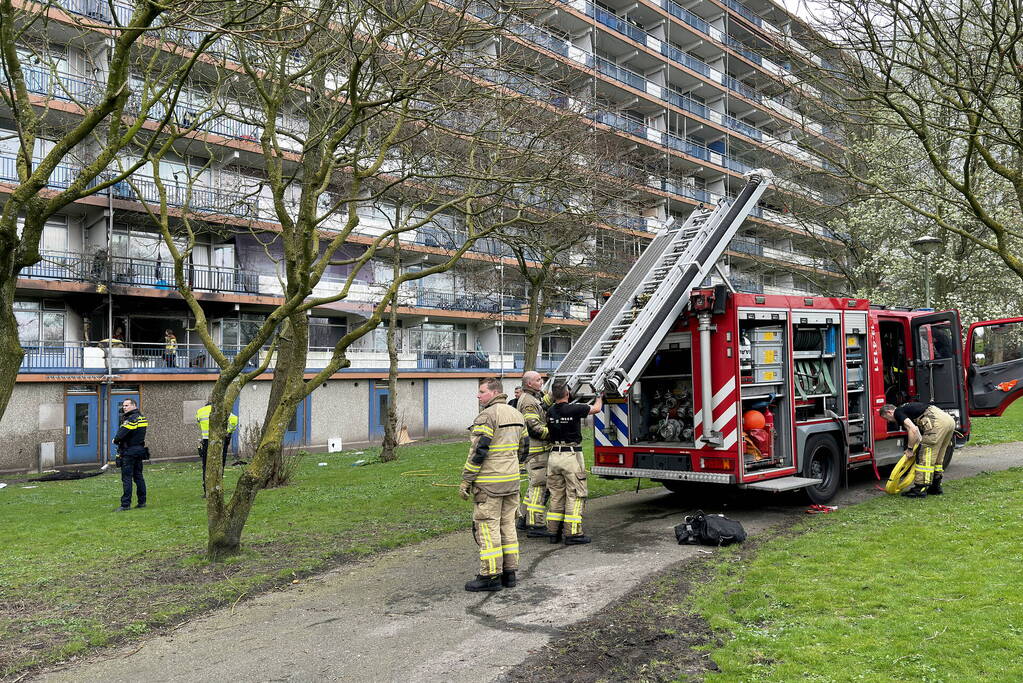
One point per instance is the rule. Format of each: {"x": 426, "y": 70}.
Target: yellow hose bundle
{"x": 903, "y": 475}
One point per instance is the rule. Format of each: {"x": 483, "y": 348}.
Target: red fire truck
{"x": 707, "y": 385}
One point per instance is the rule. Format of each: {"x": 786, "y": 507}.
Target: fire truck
{"x": 706, "y": 385}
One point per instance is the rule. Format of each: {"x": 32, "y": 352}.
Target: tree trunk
{"x": 226, "y": 522}
{"x": 11, "y": 353}
{"x": 534, "y": 327}
{"x": 389, "y": 448}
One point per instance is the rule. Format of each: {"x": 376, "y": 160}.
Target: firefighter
{"x": 202, "y": 417}
{"x": 514, "y": 403}
{"x": 499, "y": 445}
{"x": 170, "y": 349}
{"x": 534, "y": 413}
{"x": 566, "y": 472}
{"x": 929, "y": 429}
{"x": 131, "y": 449}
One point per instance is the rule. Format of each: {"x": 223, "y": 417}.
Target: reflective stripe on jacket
{"x": 499, "y": 443}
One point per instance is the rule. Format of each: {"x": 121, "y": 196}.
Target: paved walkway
{"x": 403, "y": 615}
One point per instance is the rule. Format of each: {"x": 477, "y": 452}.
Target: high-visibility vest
{"x": 170, "y": 344}
{"x": 202, "y": 416}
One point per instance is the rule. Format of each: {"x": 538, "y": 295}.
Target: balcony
{"x": 60, "y": 179}
{"x": 195, "y": 198}
{"x": 139, "y": 272}
{"x": 62, "y": 86}
{"x": 141, "y": 357}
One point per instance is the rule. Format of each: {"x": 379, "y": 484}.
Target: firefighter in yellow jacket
{"x": 491, "y": 477}
{"x": 202, "y": 418}
{"x": 533, "y": 406}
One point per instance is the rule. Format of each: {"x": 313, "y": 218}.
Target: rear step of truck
{"x": 782, "y": 484}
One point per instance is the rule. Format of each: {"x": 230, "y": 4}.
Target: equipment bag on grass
{"x": 709, "y": 530}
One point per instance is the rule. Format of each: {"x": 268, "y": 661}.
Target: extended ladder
{"x": 620, "y": 340}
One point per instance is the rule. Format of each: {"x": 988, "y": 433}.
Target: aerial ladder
{"x": 619, "y": 341}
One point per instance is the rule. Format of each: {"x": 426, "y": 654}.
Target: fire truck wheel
{"x": 822, "y": 462}
{"x": 948, "y": 455}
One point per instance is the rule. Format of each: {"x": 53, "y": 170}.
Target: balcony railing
{"x": 159, "y": 274}
{"x": 60, "y": 178}
{"x": 139, "y": 272}
{"x": 62, "y": 86}
{"x": 90, "y": 357}
{"x": 195, "y": 198}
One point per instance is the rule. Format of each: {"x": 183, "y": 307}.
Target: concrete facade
{"x": 434, "y": 407}
{"x": 29, "y": 422}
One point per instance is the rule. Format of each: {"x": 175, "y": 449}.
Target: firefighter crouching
{"x": 566, "y": 471}
{"x": 534, "y": 413}
{"x": 202, "y": 418}
{"x": 930, "y": 430}
{"x": 491, "y": 477}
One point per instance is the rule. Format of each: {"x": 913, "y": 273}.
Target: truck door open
{"x": 938, "y": 355}
{"x": 994, "y": 361}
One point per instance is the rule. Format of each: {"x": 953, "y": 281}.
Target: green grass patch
{"x": 892, "y": 589}
{"x": 990, "y": 430}
{"x": 76, "y": 574}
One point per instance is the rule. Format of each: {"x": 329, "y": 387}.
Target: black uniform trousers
{"x": 205, "y": 446}
{"x": 131, "y": 471}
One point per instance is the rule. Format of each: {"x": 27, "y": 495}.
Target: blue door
{"x": 379, "y": 401}
{"x": 297, "y": 432}
{"x": 82, "y": 427}
{"x": 114, "y": 406}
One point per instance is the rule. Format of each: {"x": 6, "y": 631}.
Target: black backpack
{"x": 709, "y": 530}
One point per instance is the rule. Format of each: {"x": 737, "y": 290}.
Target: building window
{"x": 555, "y": 344}
{"x": 236, "y": 332}
{"x": 439, "y": 337}
{"x": 325, "y": 333}
{"x": 40, "y": 323}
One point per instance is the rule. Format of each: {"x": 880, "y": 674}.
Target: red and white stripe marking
{"x": 724, "y": 412}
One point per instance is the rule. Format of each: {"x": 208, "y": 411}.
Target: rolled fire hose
{"x": 903, "y": 475}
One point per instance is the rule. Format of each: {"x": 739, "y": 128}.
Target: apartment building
{"x": 689, "y": 87}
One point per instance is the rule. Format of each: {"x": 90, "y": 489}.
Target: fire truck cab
{"x": 795, "y": 389}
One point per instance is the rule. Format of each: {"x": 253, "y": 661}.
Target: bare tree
{"x": 399, "y": 103}
{"x": 557, "y": 257}
{"x": 68, "y": 130}
{"x": 926, "y": 97}
{"x": 389, "y": 447}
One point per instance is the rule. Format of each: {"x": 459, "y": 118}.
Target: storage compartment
{"x": 765, "y": 437}
{"x": 661, "y": 400}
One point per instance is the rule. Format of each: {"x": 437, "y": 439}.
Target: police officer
{"x": 131, "y": 447}
{"x": 202, "y": 417}
{"x": 566, "y": 472}
{"x": 491, "y": 477}
{"x": 534, "y": 413}
{"x": 929, "y": 429}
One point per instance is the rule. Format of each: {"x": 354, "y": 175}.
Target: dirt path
{"x": 404, "y": 616}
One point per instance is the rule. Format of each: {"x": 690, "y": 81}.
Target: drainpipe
{"x": 709, "y": 437}
{"x": 108, "y": 378}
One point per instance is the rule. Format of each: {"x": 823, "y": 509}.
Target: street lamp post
{"x": 927, "y": 245}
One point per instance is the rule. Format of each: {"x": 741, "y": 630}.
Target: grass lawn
{"x": 1008, "y": 427}
{"x": 891, "y": 589}
{"x": 75, "y": 574}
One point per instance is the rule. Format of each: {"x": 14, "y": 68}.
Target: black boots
{"x": 520, "y": 524}
{"x": 538, "y": 532}
{"x": 918, "y": 491}
{"x": 935, "y": 487}
{"x": 486, "y": 583}
{"x": 578, "y": 539}
{"x": 555, "y": 536}
{"x": 508, "y": 578}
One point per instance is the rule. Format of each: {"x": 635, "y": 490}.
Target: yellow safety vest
{"x": 202, "y": 416}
